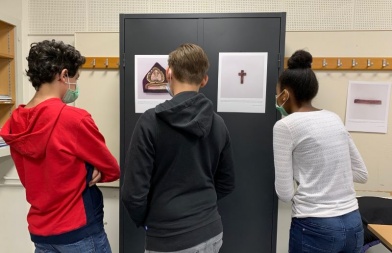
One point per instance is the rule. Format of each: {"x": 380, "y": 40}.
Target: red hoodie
{"x": 52, "y": 144}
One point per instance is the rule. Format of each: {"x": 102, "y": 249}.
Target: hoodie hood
{"x": 188, "y": 111}
{"x": 29, "y": 129}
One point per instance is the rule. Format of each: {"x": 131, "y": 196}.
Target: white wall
{"x": 12, "y": 8}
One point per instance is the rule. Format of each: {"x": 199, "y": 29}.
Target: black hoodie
{"x": 178, "y": 165}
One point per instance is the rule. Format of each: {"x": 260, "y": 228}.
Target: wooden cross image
{"x": 242, "y": 74}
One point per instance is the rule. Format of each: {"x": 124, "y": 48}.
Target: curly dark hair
{"x": 48, "y": 58}
{"x": 300, "y": 77}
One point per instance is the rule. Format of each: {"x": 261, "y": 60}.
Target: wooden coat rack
{"x": 319, "y": 63}
{"x": 350, "y": 63}
{"x": 101, "y": 63}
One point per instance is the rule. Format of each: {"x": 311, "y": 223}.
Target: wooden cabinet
{"x": 7, "y": 71}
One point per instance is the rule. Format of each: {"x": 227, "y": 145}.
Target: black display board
{"x": 249, "y": 214}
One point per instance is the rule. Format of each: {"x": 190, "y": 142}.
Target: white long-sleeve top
{"x": 315, "y": 151}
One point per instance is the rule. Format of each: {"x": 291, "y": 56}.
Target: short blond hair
{"x": 189, "y": 63}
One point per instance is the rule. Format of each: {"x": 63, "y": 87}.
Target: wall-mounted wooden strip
{"x": 350, "y": 63}
{"x": 319, "y": 63}
{"x": 101, "y": 63}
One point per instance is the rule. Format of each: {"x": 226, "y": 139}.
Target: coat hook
{"x": 340, "y": 63}
{"x": 325, "y": 63}
{"x": 354, "y": 63}
{"x": 93, "y": 63}
{"x": 369, "y": 63}
{"x": 106, "y": 63}
{"x": 385, "y": 63}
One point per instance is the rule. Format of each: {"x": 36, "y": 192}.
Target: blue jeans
{"x": 327, "y": 235}
{"x": 97, "y": 243}
{"x": 211, "y": 246}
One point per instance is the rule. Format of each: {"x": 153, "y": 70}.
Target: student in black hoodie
{"x": 179, "y": 163}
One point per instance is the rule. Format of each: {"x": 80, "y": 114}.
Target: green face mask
{"x": 71, "y": 95}
{"x": 280, "y": 108}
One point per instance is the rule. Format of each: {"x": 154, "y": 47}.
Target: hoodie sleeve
{"x": 138, "y": 169}
{"x": 224, "y": 176}
{"x": 91, "y": 148}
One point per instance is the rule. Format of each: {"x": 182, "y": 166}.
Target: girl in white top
{"x": 316, "y": 163}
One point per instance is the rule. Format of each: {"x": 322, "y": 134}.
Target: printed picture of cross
{"x": 242, "y": 74}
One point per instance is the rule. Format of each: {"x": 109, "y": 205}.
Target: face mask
{"x": 280, "y": 108}
{"x": 168, "y": 87}
{"x": 70, "y": 95}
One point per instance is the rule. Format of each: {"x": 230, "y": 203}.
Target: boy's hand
{"x": 96, "y": 177}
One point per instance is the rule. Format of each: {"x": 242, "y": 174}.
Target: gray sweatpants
{"x": 211, "y": 246}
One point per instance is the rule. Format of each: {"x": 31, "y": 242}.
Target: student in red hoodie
{"x": 60, "y": 155}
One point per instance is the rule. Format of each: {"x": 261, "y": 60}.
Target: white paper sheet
{"x": 242, "y": 82}
{"x": 143, "y": 100}
{"x": 368, "y": 106}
